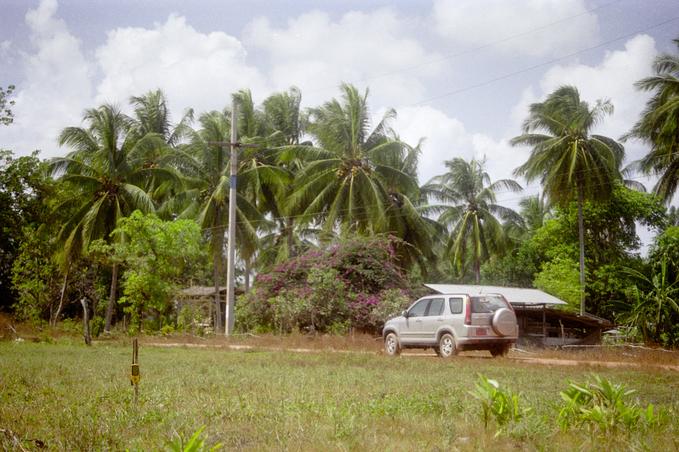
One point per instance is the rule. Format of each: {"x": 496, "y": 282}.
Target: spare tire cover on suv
{"x": 504, "y": 322}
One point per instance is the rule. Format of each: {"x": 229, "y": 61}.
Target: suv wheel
{"x": 500, "y": 350}
{"x": 447, "y": 346}
{"x": 391, "y": 345}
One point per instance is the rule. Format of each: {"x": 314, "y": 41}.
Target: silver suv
{"x": 453, "y": 322}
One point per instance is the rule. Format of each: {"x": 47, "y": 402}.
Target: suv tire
{"x": 447, "y": 346}
{"x": 500, "y": 350}
{"x": 391, "y": 345}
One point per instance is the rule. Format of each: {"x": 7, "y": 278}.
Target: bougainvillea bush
{"x": 353, "y": 284}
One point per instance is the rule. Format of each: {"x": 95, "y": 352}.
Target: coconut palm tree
{"x": 659, "y": 125}
{"x": 570, "y": 162}
{"x": 405, "y": 211}
{"x": 152, "y": 119}
{"x": 535, "y": 211}
{"x": 468, "y": 209}
{"x": 344, "y": 183}
{"x": 283, "y": 114}
{"x": 107, "y": 184}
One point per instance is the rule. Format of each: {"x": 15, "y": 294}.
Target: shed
{"x": 540, "y": 316}
{"x": 200, "y": 301}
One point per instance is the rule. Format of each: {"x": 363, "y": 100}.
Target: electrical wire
{"x": 539, "y": 65}
{"x": 450, "y": 56}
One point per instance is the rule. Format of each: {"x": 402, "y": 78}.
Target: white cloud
{"x": 447, "y": 138}
{"x": 194, "y": 69}
{"x": 56, "y": 87}
{"x": 613, "y": 78}
{"x": 475, "y": 23}
{"x": 372, "y": 49}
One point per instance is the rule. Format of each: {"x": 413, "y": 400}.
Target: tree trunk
{"x": 581, "y": 237}
{"x": 247, "y": 274}
{"x": 53, "y": 321}
{"x": 290, "y": 237}
{"x": 86, "y": 322}
{"x": 477, "y": 271}
{"x": 111, "y": 298}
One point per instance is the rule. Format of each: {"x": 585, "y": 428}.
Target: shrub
{"x": 602, "y": 407}
{"x": 352, "y": 284}
{"x": 499, "y": 404}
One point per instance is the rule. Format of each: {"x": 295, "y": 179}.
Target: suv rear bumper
{"x": 464, "y": 343}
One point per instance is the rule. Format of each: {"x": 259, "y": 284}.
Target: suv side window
{"x": 455, "y": 305}
{"x": 436, "y": 307}
{"x": 419, "y": 309}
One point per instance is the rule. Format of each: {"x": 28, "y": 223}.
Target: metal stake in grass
{"x": 135, "y": 376}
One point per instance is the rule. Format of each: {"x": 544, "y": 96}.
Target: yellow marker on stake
{"x": 135, "y": 375}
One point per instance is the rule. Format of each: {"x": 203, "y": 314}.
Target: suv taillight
{"x": 468, "y": 313}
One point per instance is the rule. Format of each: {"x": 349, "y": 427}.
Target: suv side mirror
{"x": 405, "y": 313}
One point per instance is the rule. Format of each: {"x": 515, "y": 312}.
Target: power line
{"x": 450, "y": 56}
{"x": 539, "y": 65}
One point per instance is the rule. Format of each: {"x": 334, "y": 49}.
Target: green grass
{"x": 73, "y": 397}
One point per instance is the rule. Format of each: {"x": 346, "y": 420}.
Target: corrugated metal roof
{"x": 512, "y": 294}
{"x": 201, "y": 291}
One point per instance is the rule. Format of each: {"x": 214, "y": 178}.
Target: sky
{"x": 460, "y": 73}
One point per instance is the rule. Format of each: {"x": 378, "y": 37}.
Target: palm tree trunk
{"x": 581, "y": 237}
{"x": 290, "y": 237}
{"x": 53, "y": 321}
{"x": 477, "y": 271}
{"x": 111, "y": 298}
{"x": 247, "y": 274}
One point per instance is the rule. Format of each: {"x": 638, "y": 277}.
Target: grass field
{"x": 71, "y": 397}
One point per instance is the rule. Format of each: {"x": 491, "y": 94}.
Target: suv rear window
{"x": 487, "y": 303}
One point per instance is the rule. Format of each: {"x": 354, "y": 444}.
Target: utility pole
{"x": 231, "y": 255}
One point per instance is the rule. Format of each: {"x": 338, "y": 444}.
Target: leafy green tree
{"x": 611, "y": 240}
{"x": 516, "y": 268}
{"x": 24, "y": 188}
{"x": 655, "y": 309}
{"x": 35, "y": 277}
{"x": 344, "y": 183}
{"x": 560, "y": 277}
{"x": 468, "y": 209}
{"x": 106, "y": 182}
{"x": 659, "y": 124}
{"x": 570, "y": 162}
{"x": 6, "y": 114}
{"x": 160, "y": 257}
